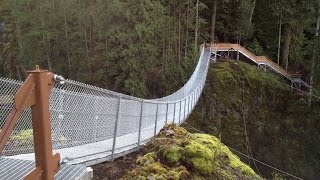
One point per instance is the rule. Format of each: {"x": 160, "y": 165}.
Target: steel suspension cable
{"x": 263, "y": 163}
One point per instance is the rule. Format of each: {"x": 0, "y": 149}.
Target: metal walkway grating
{"x": 16, "y": 169}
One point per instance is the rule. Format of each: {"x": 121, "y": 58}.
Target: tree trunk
{"x": 92, "y": 46}
{"x": 279, "y": 38}
{"x": 18, "y": 72}
{"x": 313, "y": 64}
{"x": 46, "y": 43}
{"x": 286, "y": 48}
{"x": 67, "y": 42}
{"x": 213, "y": 21}
{"x": 251, "y": 15}
{"x": 170, "y": 37}
{"x": 179, "y": 38}
{"x": 197, "y": 24}
{"x": 87, "y": 53}
{"x": 53, "y": 4}
{"x": 252, "y": 10}
{"x": 187, "y": 32}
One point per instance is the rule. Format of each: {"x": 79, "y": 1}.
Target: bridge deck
{"x": 16, "y": 169}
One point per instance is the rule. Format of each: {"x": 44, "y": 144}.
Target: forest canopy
{"x": 137, "y": 46}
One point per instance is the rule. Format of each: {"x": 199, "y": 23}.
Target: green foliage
{"x": 171, "y": 153}
{"x": 255, "y": 48}
{"x": 23, "y": 137}
{"x": 127, "y": 46}
{"x": 215, "y": 145}
{"x": 200, "y": 157}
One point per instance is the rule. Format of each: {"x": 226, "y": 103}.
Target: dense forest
{"x": 137, "y": 46}
{"x": 149, "y": 48}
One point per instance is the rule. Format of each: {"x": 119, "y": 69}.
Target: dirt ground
{"x": 116, "y": 169}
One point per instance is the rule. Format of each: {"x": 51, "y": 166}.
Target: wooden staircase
{"x": 295, "y": 79}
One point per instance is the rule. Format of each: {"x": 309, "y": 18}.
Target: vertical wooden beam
{"x": 46, "y": 164}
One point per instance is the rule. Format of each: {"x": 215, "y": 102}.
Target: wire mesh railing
{"x": 89, "y": 124}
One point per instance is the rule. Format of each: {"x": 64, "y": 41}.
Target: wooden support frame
{"x": 35, "y": 93}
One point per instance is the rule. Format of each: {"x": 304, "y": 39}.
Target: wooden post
{"x": 35, "y": 93}
{"x": 47, "y": 164}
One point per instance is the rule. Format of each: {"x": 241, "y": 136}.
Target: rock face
{"x": 240, "y": 101}
{"x": 177, "y": 154}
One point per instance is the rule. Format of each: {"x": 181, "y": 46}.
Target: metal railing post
{"x": 167, "y": 113}
{"x": 96, "y": 118}
{"x": 184, "y": 108}
{"x": 116, "y": 128}
{"x": 140, "y": 124}
{"x": 197, "y": 96}
{"x": 215, "y": 56}
{"x": 190, "y": 104}
{"x": 238, "y": 55}
{"x": 188, "y": 108}
{"x": 156, "y": 120}
{"x": 174, "y": 111}
{"x": 180, "y": 112}
{"x": 192, "y": 101}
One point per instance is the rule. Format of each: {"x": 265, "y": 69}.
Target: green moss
{"x": 63, "y": 140}
{"x": 23, "y": 136}
{"x": 216, "y": 146}
{"x": 209, "y": 141}
{"x": 147, "y": 159}
{"x": 155, "y": 168}
{"x": 200, "y": 157}
{"x": 171, "y": 153}
{"x": 181, "y": 155}
{"x": 235, "y": 162}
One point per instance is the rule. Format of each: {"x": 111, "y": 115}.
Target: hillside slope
{"x": 282, "y": 131}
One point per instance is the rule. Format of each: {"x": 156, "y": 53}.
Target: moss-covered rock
{"x": 171, "y": 153}
{"x": 182, "y": 155}
{"x": 220, "y": 149}
{"x": 199, "y": 157}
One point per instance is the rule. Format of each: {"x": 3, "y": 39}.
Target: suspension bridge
{"x": 90, "y": 125}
